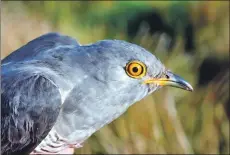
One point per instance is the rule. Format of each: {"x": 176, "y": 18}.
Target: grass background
{"x": 169, "y": 120}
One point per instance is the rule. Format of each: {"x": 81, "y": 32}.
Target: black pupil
{"x": 135, "y": 69}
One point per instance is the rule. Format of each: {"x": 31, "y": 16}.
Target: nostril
{"x": 167, "y": 76}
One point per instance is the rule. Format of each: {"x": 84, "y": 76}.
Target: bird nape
{"x": 55, "y": 93}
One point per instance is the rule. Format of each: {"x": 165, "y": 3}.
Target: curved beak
{"x": 172, "y": 80}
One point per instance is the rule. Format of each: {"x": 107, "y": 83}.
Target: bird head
{"x": 116, "y": 75}
{"x": 124, "y": 66}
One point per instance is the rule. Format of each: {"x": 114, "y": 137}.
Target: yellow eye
{"x": 135, "y": 69}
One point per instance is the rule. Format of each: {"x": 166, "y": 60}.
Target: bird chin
{"x": 152, "y": 88}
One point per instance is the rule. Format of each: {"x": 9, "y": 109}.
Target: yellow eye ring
{"x": 135, "y": 69}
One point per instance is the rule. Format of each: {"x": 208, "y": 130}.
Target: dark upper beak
{"x": 171, "y": 79}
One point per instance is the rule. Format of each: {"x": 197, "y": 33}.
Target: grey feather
{"x": 93, "y": 85}
{"x": 30, "y": 105}
{"x": 39, "y": 45}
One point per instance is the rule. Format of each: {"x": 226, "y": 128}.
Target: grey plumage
{"x": 27, "y": 117}
{"x": 54, "y": 85}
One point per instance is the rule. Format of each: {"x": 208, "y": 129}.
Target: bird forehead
{"x": 122, "y": 51}
{"x": 111, "y": 56}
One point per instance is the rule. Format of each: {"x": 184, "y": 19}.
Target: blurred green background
{"x": 169, "y": 120}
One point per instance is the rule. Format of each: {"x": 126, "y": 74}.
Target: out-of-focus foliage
{"x": 170, "y": 120}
